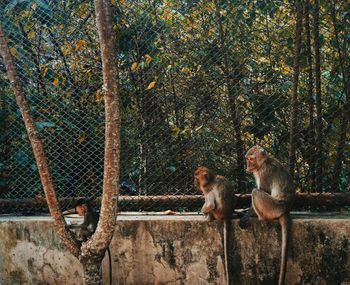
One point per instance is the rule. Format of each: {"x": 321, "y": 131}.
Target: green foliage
{"x": 177, "y": 112}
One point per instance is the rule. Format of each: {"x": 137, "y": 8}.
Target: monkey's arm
{"x": 266, "y": 207}
{"x": 76, "y": 226}
{"x": 209, "y": 203}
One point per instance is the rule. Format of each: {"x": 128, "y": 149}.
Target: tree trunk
{"x": 239, "y": 172}
{"x": 92, "y": 270}
{"x": 319, "y": 135}
{"x": 38, "y": 149}
{"x": 310, "y": 101}
{"x": 294, "y": 92}
{"x": 94, "y": 249}
{"x": 346, "y": 111}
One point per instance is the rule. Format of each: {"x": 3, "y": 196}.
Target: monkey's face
{"x": 202, "y": 176}
{"x": 255, "y": 157}
{"x": 81, "y": 210}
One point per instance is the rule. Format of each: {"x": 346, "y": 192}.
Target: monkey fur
{"x": 219, "y": 203}
{"x": 273, "y": 198}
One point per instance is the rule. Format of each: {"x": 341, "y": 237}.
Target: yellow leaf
{"x": 151, "y": 85}
{"x": 99, "y": 96}
{"x": 148, "y": 58}
{"x": 26, "y": 14}
{"x": 80, "y": 44}
{"x": 134, "y": 66}
{"x": 45, "y": 71}
{"x": 31, "y": 35}
{"x": 113, "y": 2}
{"x": 175, "y": 131}
{"x": 55, "y": 82}
{"x": 82, "y": 138}
{"x": 186, "y": 70}
{"x": 186, "y": 131}
{"x": 13, "y": 51}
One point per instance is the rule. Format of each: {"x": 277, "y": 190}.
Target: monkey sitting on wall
{"x": 273, "y": 198}
{"x": 219, "y": 203}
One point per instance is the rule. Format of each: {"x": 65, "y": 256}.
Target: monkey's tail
{"x": 110, "y": 265}
{"x": 226, "y": 250}
{"x": 284, "y": 222}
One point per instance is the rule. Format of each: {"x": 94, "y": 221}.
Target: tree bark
{"x": 38, "y": 149}
{"x": 294, "y": 92}
{"x": 319, "y": 135}
{"x": 310, "y": 101}
{"x": 94, "y": 249}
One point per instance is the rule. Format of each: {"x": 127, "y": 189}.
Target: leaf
{"x": 80, "y": 44}
{"x": 186, "y": 131}
{"x": 186, "y": 71}
{"x": 148, "y": 58}
{"x": 31, "y": 35}
{"x": 134, "y": 66}
{"x": 55, "y": 82}
{"x": 42, "y": 4}
{"x": 99, "y": 96}
{"x": 43, "y": 125}
{"x": 82, "y": 138}
{"x": 13, "y": 51}
{"x": 151, "y": 85}
{"x": 175, "y": 130}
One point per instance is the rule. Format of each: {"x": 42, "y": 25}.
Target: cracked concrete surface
{"x": 181, "y": 249}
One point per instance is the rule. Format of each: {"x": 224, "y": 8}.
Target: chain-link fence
{"x": 200, "y": 82}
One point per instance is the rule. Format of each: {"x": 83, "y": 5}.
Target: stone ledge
{"x": 182, "y": 249}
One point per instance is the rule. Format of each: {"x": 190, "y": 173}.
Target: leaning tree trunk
{"x": 310, "y": 101}
{"x": 294, "y": 92}
{"x": 94, "y": 249}
{"x": 38, "y": 149}
{"x": 91, "y": 252}
{"x": 319, "y": 135}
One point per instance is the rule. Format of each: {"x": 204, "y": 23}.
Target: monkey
{"x": 90, "y": 220}
{"x": 219, "y": 202}
{"x": 273, "y": 197}
{"x": 86, "y": 229}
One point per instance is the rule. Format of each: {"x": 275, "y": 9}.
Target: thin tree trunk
{"x": 311, "y": 133}
{"x": 319, "y": 135}
{"x": 239, "y": 147}
{"x": 94, "y": 249}
{"x": 346, "y": 111}
{"x": 38, "y": 149}
{"x": 294, "y": 92}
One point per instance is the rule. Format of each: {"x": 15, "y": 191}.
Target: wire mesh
{"x": 200, "y": 81}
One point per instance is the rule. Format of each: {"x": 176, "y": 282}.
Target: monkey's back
{"x": 224, "y": 197}
{"x": 277, "y": 180}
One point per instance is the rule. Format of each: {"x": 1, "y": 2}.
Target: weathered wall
{"x": 181, "y": 250}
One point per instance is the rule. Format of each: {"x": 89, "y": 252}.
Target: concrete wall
{"x": 181, "y": 249}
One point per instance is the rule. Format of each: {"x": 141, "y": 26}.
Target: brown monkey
{"x": 273, "y": 198}
{"x": 89, "y": 224}
{"x": 219, "y": 202}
